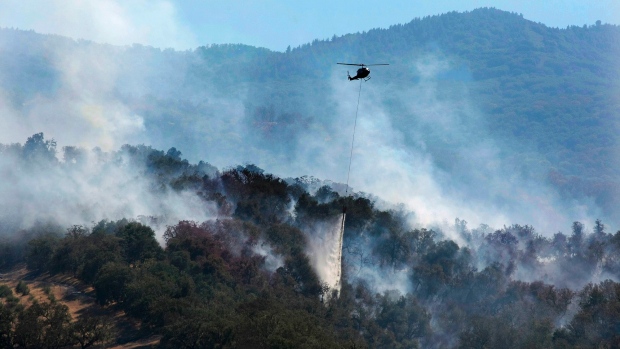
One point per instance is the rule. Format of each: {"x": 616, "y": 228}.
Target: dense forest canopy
{"x": 244, "y": 276}
{"x": 504, "y": 123}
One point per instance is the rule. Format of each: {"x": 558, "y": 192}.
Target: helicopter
{"x": 363, "y": 72}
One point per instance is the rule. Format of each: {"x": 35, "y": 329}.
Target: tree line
{"x": 244, "y": 280}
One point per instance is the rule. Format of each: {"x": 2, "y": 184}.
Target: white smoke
{"x": 395, "y": 163}
{"x": 154, "y": 22}
{"x": 80, "y": 107}
{"x": 97, "y": 188}
{"x": 76, "y": 97}
{"x": 395, "y": 155}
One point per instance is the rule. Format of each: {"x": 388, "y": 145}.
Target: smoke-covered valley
{"x": 424, "y": 136}
{"x": 476, "y": 197}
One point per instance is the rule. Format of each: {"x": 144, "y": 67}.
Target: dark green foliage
{"x": 359, "y": 210}
{"x": 48, "y": 325}
{"x": 297, "y": 266}
{"x": 437, "y": 267}
{"x": 500, "y": 332}
{"x": 111, "y": 283}
{"x": 203, "y": 245}
{"x": 209, "y": 288}
{"x": 5, "y": 291}
{"x": 246, "y": 280}
{"x": 309, "y": 208}
{"x": 154, "y": 286}
{"x": 43, "y": 325}
{"x": 597, "y": 324}
{"x": 34, "y": 242}
{"x": 260, "y": 198}
{"x": 7, "y": 321}
{"x": 66, "y": 256}
{"x": 404, "y": 317}
{"x": 11, "y": 253}
{"x": 195, "y": 326}
{"x": 22, "y": 288}
{"x": 83, "y": 254}
{"x": 138, "y": 243}
{"x": 325, "y": 194}
{"x": 40, "y": 252}
{"x": 90, "y": 330}
{"x": 107, "y": 227}
{"x": 12, "y": 301}
{"x": 285, "y": 238}
{"x": 100, "y": 251}
{"x": 268, "y": 323}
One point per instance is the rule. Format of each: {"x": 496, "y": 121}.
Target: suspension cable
{"x": 353, "y": 138}
{"x": 344, "y": 209}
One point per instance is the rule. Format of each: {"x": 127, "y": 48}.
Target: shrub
{"x": 5, "y": 291}
{"x": 22, "y": 288}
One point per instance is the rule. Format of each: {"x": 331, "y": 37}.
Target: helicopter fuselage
{"x": 361, "y": 73}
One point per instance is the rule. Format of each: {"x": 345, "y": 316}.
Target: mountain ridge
{"x": 542, "y": 97}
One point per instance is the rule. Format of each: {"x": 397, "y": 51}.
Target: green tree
{"x": 40, "y": 252}
{"x": 5, "y": 291}
{"x": 152, "y": 288}
{"x": 7, "y": 323}
{"x": 297, "y": 265}
{"x": 22, "y": 288}
{"x": 138, "y": 243}
{"x": 37, "y": 149}
{"x": 90, "y": 330}
{"x": 111, "y": 283}
{"x": 404, "y": 317}
{"x": 43, "y": 325}
{"x": 597, "y": 322}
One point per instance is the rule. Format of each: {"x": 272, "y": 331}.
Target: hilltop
{"x": 478, "y": 97}
{"x": 247, "y": 275}
{"x": 216, "y": 242}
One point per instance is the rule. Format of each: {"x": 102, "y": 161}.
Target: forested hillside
{"x": 482, "y": 207}
{"x": 469, "y": 99}
{"x": 243, "y": 279}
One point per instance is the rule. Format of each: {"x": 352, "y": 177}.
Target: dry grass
{"x": 78, "y": 297}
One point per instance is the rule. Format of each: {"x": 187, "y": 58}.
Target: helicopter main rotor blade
{"x": 358, "y": 64}
{"x": 370, "y": 65}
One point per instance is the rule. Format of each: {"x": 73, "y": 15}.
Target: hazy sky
{"x": 275, "y": 24}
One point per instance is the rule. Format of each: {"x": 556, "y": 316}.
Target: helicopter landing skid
{"x": 368, "y": 78}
